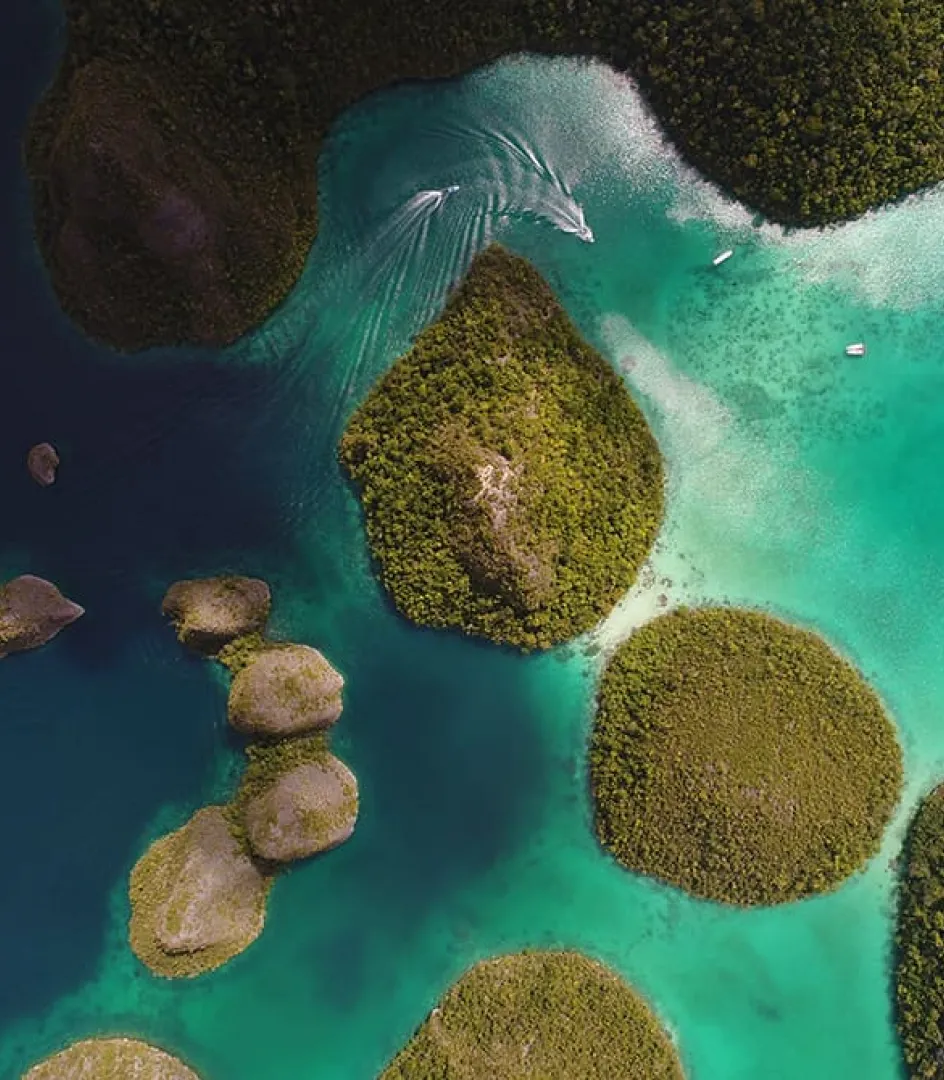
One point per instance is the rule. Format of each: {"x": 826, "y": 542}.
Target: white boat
{"x": 856, "y": 349}
{"x": 723, "y": 257}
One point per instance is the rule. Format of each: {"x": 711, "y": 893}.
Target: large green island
{"x": 740, "y": 758}
{"x": 173, "y": 158}
{"x": 510, "y": 484}
{"x": 539, "y": 1016}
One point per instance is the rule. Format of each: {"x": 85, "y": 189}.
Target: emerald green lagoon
{"x": 800, "y": 480}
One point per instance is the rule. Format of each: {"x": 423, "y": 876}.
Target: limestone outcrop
{"x": 209, "y": 612}
{"x": 110, "y": 1059}
{"x": 197, "y": 898}
{"x": 306, "y": 810}
{"x": 42, "y": 462}
{"x": 285, "y": 690}
{"x": 32, "y": 611}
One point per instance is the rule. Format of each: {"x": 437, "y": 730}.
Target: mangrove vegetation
{"x": 511, "y": 487}
{"x": 740, "y": 758}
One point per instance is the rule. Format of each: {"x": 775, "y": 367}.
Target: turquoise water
{"x": 799, "y": 480}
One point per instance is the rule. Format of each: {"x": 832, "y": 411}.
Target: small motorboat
{"x": 856, "y": 349}
{"x": 723, "y": 257}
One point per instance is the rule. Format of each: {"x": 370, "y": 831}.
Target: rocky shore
{"x": 208, "y": 613}
{"x": 32, "y": 612}
{"x": 197, "y": 898}
{"x": 198, "y": 895}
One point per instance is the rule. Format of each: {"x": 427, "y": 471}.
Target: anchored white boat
{"x": 723, "y": 257}
{"x": 856, "y": 349}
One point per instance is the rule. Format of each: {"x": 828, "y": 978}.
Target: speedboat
{"x": 723, "y": 257}
{"x": 856, "y": 349}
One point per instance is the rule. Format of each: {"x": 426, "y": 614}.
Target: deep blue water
{"x": 175, "y": 464}
{"x": 798, "y": 481}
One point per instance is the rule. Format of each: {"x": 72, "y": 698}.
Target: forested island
{"x": 110, "y": 1059}
{"x": 511, "y": 486}
{"x": 547, "y": 1015}
{"x": 919, "y": 961}
{"x": 740, "y": 758}
{"x": 173, "y": 159}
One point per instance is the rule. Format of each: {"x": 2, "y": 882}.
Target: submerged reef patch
{"x": 740, "y": 758}
{"x": 539, "y": 1016}
{"x": 510, "y": 484}
{"x": 919, "y": 960}
{"x": 172, "y": 160}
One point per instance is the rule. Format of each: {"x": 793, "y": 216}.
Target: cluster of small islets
{"x": 198, "y": 895}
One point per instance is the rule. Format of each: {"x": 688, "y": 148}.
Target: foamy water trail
{"x": 401, "y": 242}
{"x": 512, "y": 175}
{"x": 889, "y": 257}
{"x": 432, "y": 237}
{"x": 395, "y": 278}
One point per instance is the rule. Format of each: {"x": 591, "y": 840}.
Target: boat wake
{"x": 385, "y": 269}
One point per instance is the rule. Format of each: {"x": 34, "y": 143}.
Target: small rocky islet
{"x": 110, "y": 1059}
{"x": 198, "y": 895}
{"x": 295, "y": 799}
{"x": 32, "y": 612}
{"x": 283, "y": 690}
{"x": 42, "y": 461}
{"x": 209, "y": 613}
{"x": 197, "y": 898}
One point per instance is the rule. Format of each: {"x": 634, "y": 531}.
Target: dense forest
{"x": 740, "y": 758}
{"x": 919, "y": 969}
{"x": 540, "y": 1015}
{"x": 511, "y": 487}
{"x": 808, "y": 110}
